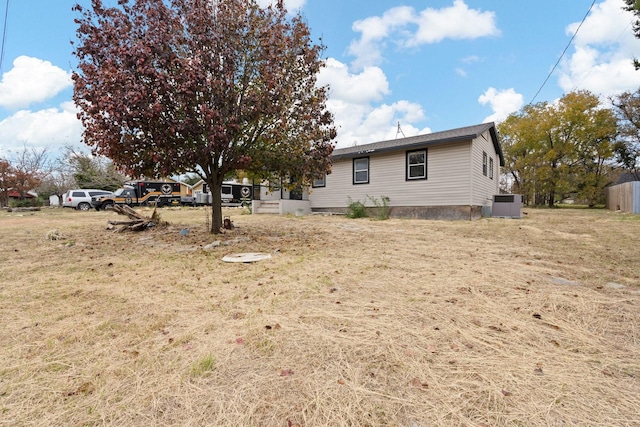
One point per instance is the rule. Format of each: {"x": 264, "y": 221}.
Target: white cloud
{"x": 604, "y": 50}
{"x": 353, "y": 100}
{"x": 503, "y": 103}
{"x": 468, "y": 61}
{"x": 374, "y": 30}
{"x": 31, "y": 80}
{"x": 471, "y": 59}
{"x": 455, "y": 22}
{"x": 411, "y": 29}
{"x": 51, "y": 128}
{"x": 362, "y": 124}
{"x": 369, "y": 85}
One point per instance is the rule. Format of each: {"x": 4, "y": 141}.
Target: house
{"x": 442, "y": 175}
{"x": 15, "y": 196}
{"x": 629, "y": 176}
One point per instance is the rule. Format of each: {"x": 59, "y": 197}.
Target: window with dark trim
{"x": 319, "y": 182}
{"x": 361, "y": 170}
{"x": 491, "y": 168}
{"x": 484, "y": 163}
{"x": 416, "y": 165}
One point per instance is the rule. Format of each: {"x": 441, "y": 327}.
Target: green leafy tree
{"x": 76, "y": 169}
{"x": 191, "y": 179}
{"x": 93, "y": 172}
{"x": 517, "y": 147}
{"x": 591, "y": 132}
{"x": 555, "y": 149}
{"x": 166, "y": 87}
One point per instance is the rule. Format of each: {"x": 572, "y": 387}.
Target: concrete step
{"x": 269, "y": 207}
{"x": 268, "y": 211}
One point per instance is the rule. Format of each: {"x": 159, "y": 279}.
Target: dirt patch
{"x": 351, "y": 322}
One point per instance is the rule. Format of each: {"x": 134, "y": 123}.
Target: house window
{"x": 361, "y": 170}
{"x": 484, "y": 163}
{"x": 491, "y": 168}
{"x": 319, "y": 182}
{"x": 417, "y": 164}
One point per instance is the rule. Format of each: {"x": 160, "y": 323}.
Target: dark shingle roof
{"x": 625, "y": 177}
{"x": 436, "y": 138}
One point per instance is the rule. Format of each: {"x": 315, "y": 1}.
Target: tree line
{"x": 573, "y": 147}
{"x": 35, "y": 170}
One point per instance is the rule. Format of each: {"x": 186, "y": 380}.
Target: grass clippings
{"x": 495, "y": 322}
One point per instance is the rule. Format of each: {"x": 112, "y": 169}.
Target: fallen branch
{"x": 126, "y": 210}
{"x": 132, "y": 222}
{"x": 138, "y": 222}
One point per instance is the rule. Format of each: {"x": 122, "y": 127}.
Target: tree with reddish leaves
{"x": 205, "y": 86}
{"x": 22, "y": 174}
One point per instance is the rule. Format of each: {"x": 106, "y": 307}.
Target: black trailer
{"x": 141, "y": 193}
{"x": 233, "y": 194}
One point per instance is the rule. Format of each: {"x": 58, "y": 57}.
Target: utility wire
{"x": 4, "y": 34}
{"x": 563, "y": 53}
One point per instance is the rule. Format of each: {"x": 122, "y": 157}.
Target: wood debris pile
{"x": 137, "y": 221}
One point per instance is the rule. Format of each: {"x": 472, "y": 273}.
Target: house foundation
{"x": 419, "y": 212}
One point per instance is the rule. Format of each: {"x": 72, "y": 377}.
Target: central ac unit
{"x": 507, "y": 206}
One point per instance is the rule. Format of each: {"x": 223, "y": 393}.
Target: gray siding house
{"x": 443, "y": 175}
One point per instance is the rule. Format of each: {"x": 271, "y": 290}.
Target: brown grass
{"x": 495, "y": 322}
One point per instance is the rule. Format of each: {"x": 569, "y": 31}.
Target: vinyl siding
{"x": 483, "y": 187}
{"x": 447, "y": 184}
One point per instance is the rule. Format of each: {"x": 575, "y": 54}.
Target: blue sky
{"x": 430, "y": 65}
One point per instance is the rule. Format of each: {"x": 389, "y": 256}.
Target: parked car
{"x": 81, "y": 199}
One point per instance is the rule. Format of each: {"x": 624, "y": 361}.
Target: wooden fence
{"x": 624, "y": 197}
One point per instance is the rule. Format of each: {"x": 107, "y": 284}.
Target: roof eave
{"x": 405, "y": 147}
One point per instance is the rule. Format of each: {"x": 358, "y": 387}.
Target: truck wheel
{"x": 83, "y": 206}
{"x": 107, "y": 206}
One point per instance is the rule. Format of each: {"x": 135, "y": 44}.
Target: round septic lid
{"x": 246, "y": 257}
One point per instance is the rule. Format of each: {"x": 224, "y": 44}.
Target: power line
{"x": 563, "y": 53}
{"x": 4, "y": 34}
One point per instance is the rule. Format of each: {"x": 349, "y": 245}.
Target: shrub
{"x": 382, "y": 206}
{"x": 25, "y": 203}
{"x": 356, "y": 209}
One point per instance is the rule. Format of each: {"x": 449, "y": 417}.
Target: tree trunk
{"x": 216, "y": 204}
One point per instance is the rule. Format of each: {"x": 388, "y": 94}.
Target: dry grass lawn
{"x": 531, "y": 322}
